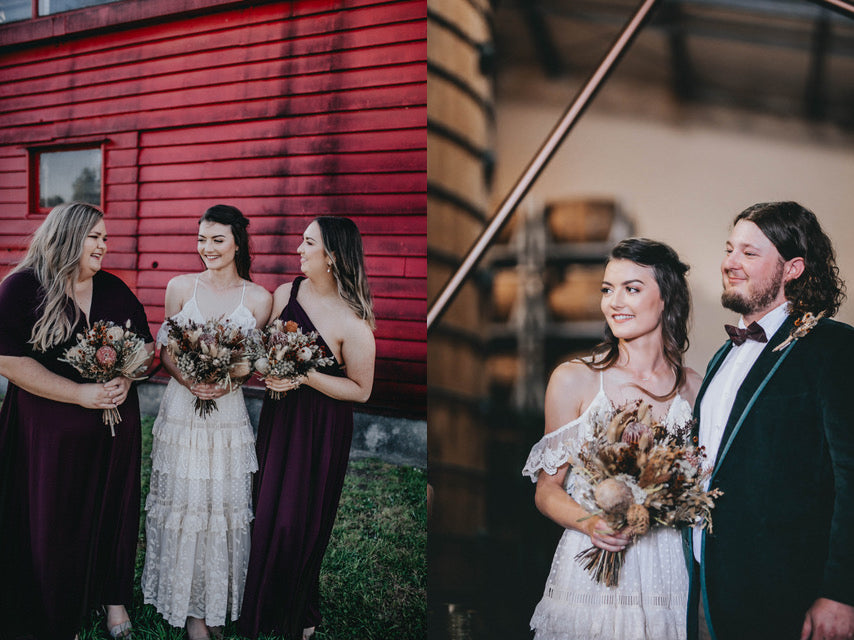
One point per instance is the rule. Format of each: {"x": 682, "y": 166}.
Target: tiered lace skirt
{"x": 650, "y": 602}
{"x": 199, "y": 509}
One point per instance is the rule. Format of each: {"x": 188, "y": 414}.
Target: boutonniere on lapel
{"x": 803, "y": 326}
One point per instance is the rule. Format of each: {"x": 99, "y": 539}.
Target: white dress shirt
{"x": 720, "y": 394}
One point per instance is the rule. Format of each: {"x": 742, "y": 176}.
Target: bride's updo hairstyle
{"x": 342, "y": 244}
{"x": 232, "y": 216}
{"x": 669, "y": 272}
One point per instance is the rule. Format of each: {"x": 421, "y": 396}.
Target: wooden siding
{"x": 286, "y": 110}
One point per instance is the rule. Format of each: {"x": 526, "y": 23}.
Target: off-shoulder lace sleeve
{"x": 162, "y": 335}
{"x": 562, "y": 445}
{"x": 553, "y": 451}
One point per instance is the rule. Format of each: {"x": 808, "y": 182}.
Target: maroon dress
{"x": 69, "y": 491}
{"x": 303, "y": 449}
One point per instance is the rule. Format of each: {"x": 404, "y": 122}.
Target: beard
{"x": 760, "y": 299}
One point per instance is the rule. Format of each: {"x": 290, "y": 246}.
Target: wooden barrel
{"x": 583, "y": 220}
{"x": 578, "y": 295}
{"x": 502, "y": 369}
{"x": 505, "y": 291}
{"x": 459, "y": 151}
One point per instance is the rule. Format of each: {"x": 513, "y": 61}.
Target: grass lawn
{"x": 373, "y": 584}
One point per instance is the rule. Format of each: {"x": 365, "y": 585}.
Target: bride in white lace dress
{"x": 646, "y": 304}
{"x": 199, "y": 506}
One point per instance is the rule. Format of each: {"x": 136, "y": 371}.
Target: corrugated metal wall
{"x": 286, "y": 110}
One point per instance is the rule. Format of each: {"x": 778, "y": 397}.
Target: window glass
{"x": 47, "y": 7}
{"x": 69, "y": 176}
{"x": 12, "y": 10}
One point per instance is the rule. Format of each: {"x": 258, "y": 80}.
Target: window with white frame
{"x": 65, "y": 175}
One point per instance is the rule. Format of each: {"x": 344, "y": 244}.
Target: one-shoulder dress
{"x": 650, "y": 601}
{"x": 69, "y": 491}
{"x": 199, "y": 506}
{"x": 303, "y": 450}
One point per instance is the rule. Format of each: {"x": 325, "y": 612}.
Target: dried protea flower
{"x": 106, "y": 356}
{"x": 615, "y": 427}
{"x": 291, "y": 326}
{"x": 637, "y": 518}
{"x": 634, "y": 430}
{"x": 613, "y": 497}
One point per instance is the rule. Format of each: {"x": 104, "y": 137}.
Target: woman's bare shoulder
{"x": 182, "y": 284}
{"x": 574, "y": 374}
{"x": 572, "y": 386}
{"x": 257, "y": 293}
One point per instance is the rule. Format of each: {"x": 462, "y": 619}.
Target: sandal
{"x": 307, "y": 633}
{"x": 123, "y": 630}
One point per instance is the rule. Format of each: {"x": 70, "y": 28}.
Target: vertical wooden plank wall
{"x": 286, "y": 110}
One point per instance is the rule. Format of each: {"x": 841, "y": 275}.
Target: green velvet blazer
{"x": 783, "y": 532}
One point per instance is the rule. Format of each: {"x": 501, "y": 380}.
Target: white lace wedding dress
{"x": 650, "y": 601}
{"x": 199, "y": 506}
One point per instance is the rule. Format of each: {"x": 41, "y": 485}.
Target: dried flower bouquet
{"x": 106, "y": 351}
{"x": 282, "y": 350}
{"x": 643, "y": 474}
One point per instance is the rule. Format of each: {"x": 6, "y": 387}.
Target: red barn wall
{"x": 286, "y": 110}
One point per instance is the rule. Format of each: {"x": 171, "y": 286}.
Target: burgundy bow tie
{"x": 739, "y": 336}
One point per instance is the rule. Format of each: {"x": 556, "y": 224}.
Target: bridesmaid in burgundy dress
{"x": 304, "y": 438}
{"x": 69, "y": 491}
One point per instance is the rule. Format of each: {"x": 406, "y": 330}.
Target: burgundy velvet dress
{"x": 69, "y": 491}
{"x": 303, "y": 448}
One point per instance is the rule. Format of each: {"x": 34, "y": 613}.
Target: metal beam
{"x": 845, "y": 7}
{"x": 546, "y": 151}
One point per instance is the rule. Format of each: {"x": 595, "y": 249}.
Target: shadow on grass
{"x": 373, "y": 583}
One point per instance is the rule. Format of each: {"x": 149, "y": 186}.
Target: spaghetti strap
{"x": 195, "y": 287}
{"x": 243, "y": 294}
{"x": 295, "y": 288}
{"x": 602, "y": 381}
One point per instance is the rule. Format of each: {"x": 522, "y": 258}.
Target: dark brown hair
{"x": 234, "y": 218}
{"x": 669, "y": 272}
{"x": 796, "y": 233}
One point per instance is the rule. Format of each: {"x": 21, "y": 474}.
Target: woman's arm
{"x": 565, "y": 396}
{"x": 30, "y": 375}
{"x": 280, "y": 299}
{"x": 260, "y": 304}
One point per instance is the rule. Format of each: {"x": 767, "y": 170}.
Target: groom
{"x": 776, "y": 417}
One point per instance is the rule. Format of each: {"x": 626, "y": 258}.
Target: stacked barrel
{"x": 459, "y": 137}
{"x": 562, "y": 284}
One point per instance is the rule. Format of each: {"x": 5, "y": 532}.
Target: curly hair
{"x": 796, "y": 233}
{"x": 669, "y": 273}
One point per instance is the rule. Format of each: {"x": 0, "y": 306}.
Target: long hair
{"x": 343, "y": 246}
{"x": 232, "y": 216}
{"x": 669, "y": 273}
{"x": 54, "y": 258}
{"x": 796, "y": 233}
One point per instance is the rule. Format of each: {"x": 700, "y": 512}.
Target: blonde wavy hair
{"x": 343, "y": 246}
{"x": 54, "y": 258}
